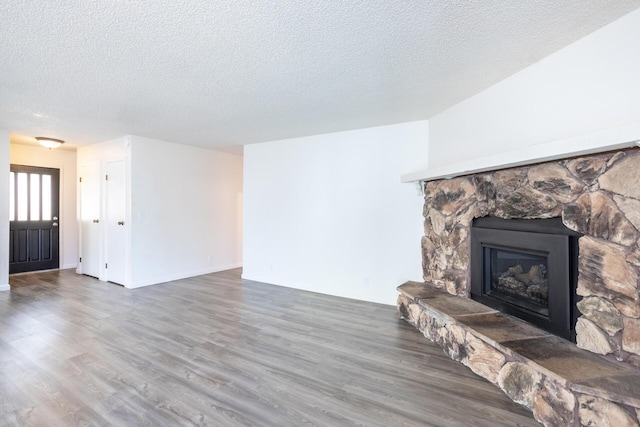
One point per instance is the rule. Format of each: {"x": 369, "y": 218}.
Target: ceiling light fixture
{"x": 49, "y": 142}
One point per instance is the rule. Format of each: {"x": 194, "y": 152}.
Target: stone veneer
{"x": 597, "y": 196}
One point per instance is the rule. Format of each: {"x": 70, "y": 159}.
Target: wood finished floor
{"x": 221, "y": 351}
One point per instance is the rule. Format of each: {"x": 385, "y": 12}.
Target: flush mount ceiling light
{"x": 49, "y": 142}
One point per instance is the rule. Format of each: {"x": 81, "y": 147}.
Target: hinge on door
{"x": 80, "y": 259}
{"x": 106, "y": 177}
{"x": 80, "y": 179}
{"x": 105, "y": 265}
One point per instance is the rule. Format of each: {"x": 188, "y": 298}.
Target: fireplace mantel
{"x": 598, "y": 142}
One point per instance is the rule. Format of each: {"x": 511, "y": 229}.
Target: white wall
{"x": 328, "y": 213}
{"x": 114, "y": 149}
{"x": 588, "y": 86}
{"x": 185, "y": 206}
{"x": 65, "y": 160}
{"x": 4, "y": 210}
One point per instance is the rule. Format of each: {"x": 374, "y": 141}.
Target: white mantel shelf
{"x": 597, "y": 142}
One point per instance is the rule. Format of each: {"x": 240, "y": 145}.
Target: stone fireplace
{"x": 596, "y": 198}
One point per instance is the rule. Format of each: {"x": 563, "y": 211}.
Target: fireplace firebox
{"x": 528, "y": 269}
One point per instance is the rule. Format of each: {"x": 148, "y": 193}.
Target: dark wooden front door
{"x": 34, "y": 220}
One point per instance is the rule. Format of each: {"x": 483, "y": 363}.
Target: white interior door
{"x": 115, "y": 209}
{"x": 89, "y": 194}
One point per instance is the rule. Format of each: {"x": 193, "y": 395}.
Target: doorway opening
{"x": 34, "y": 204}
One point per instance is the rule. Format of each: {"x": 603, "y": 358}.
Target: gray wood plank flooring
{"x": 221, "y": 351}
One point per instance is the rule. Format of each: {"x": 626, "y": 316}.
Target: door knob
{"x": 120, "y": 222}
{"x": 96, "y": 221}
{"x": 55, "y": 224}
{"x": 55, "y": 218}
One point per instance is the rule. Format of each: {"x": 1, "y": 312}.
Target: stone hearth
{"x": 597, "y": 196}
{"x": 562, "y": 384}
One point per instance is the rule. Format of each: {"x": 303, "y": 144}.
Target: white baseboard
{"x": 4, "y": 288}
{"x": 183, "y": 275}
{"x": 270, "y": 280}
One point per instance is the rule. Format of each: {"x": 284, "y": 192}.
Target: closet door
{"x": 116, "y": 226}
{"x": 89, "y": 195}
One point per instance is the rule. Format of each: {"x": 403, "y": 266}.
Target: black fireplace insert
{"x": 528, "y": 269}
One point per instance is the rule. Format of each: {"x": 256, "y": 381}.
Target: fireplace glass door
{"x": 519, "y": 278}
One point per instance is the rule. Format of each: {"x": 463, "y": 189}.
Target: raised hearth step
{"x": 583, "y": 384}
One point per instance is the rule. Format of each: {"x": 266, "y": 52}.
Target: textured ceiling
{"x": 230, "y": 72}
